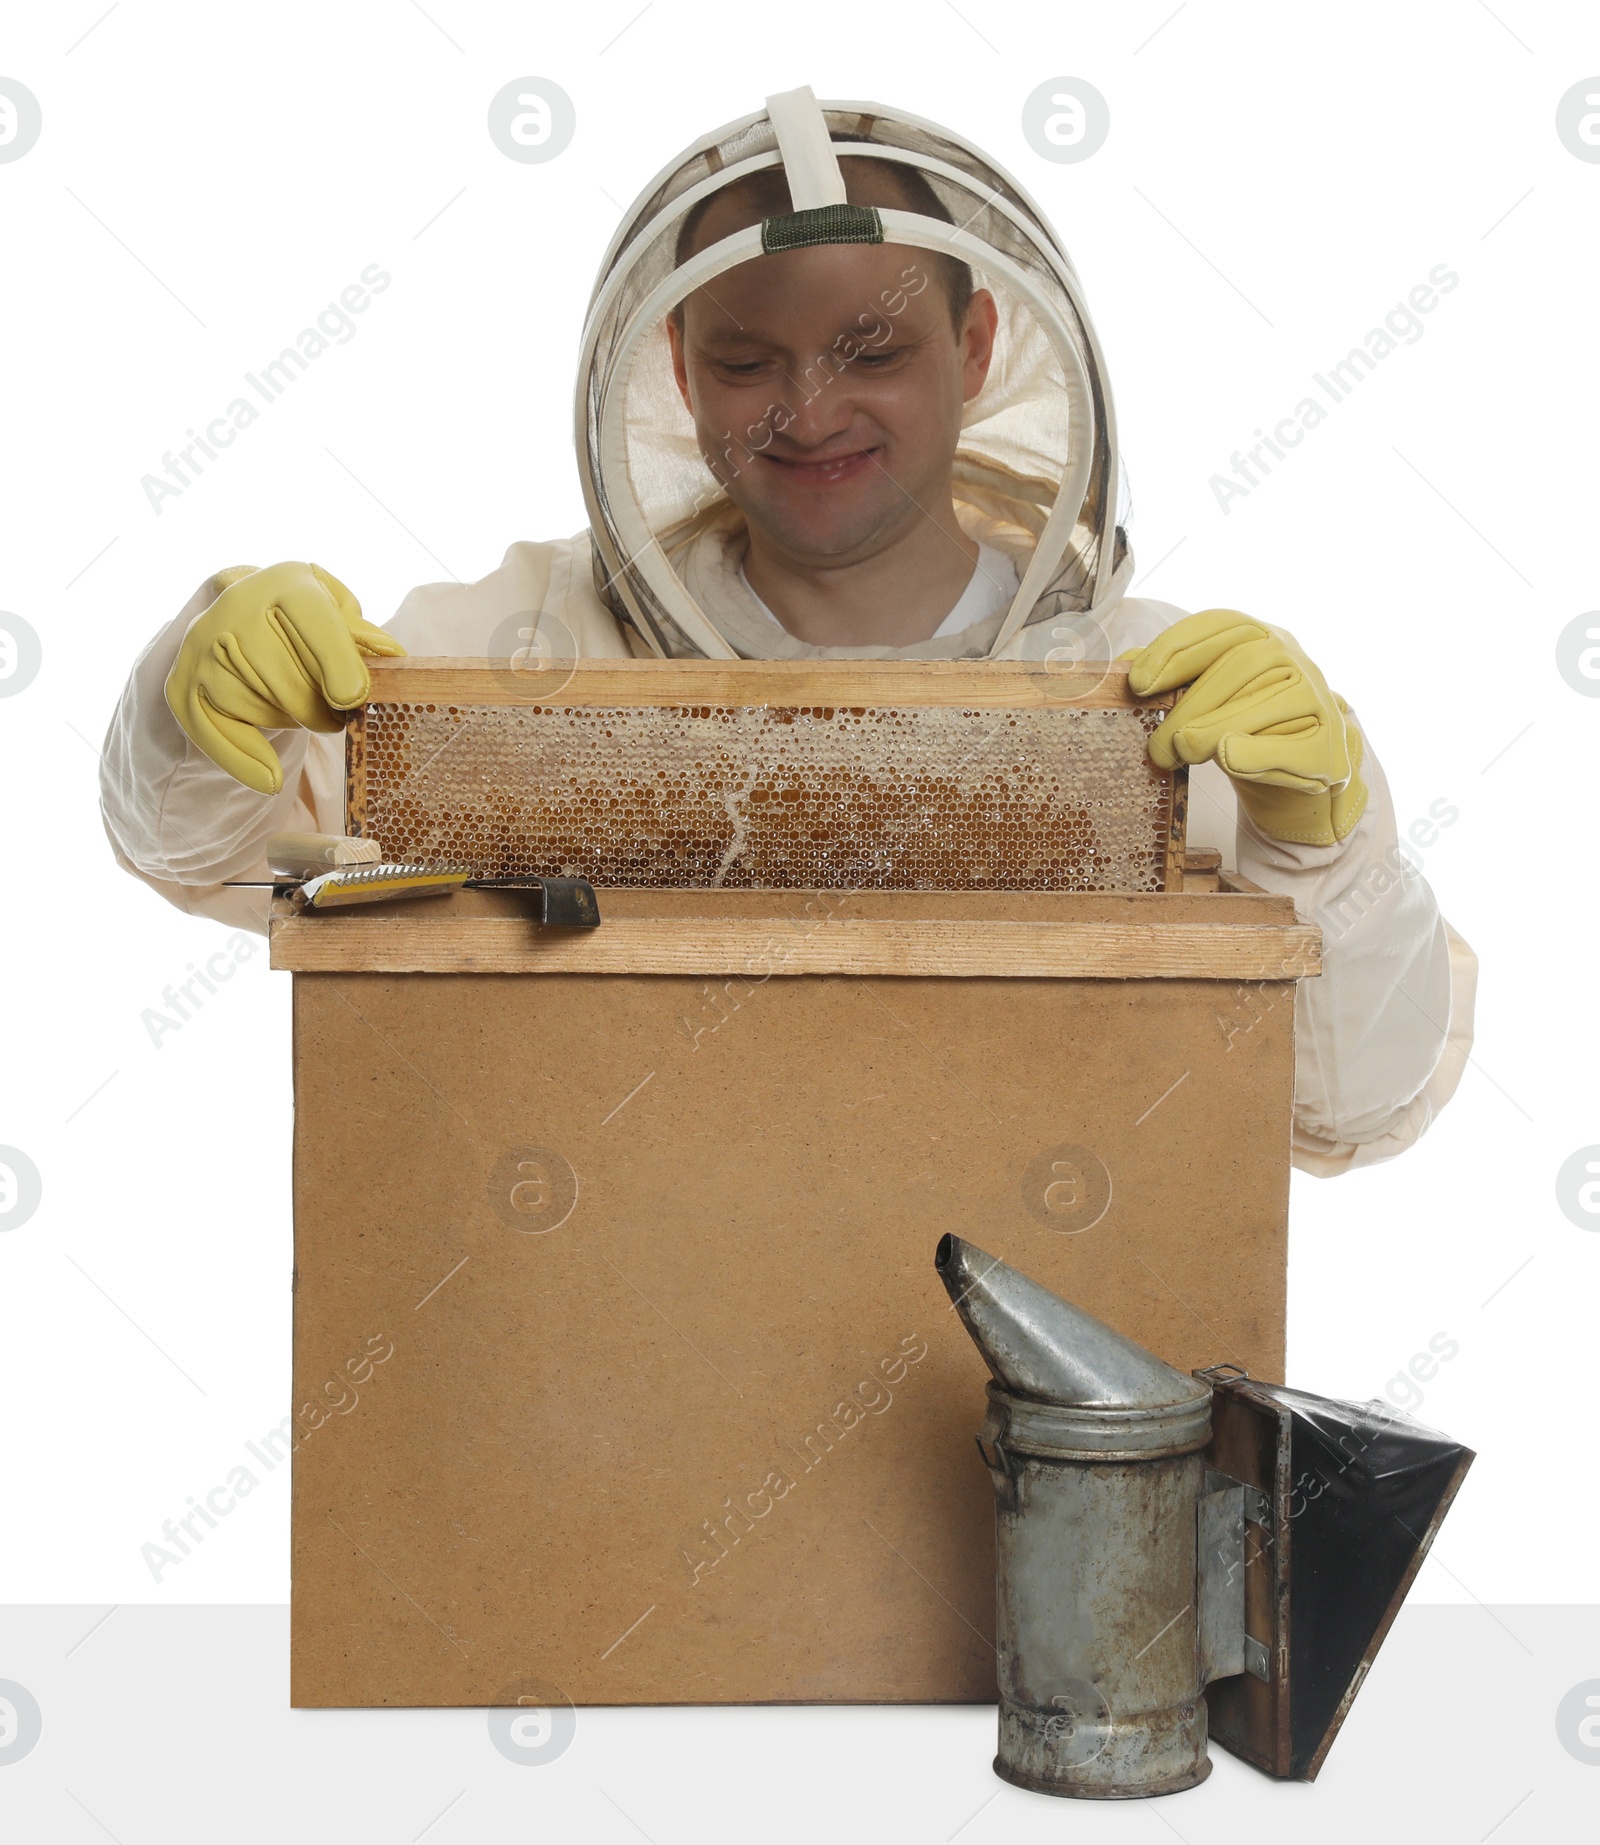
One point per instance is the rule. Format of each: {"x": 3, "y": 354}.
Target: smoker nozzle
{"x": 1040, "y": 1346}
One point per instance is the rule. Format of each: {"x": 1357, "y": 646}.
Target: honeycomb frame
{"x": 874, "y": 775}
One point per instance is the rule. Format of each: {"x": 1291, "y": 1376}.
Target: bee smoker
{"x": 1145, "y": 1526}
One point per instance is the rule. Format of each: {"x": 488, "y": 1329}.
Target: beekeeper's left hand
{"x": 1259, "y": 707}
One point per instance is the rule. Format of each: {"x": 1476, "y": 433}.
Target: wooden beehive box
{"x": 672, "y": 1407}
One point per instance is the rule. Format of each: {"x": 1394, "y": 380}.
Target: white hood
{"x": 1036, "y": 471}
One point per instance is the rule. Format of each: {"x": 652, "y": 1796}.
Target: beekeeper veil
{"x": 1035, "y": 471}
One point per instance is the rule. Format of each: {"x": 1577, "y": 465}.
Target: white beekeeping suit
{"x": 1382, "y": 1034}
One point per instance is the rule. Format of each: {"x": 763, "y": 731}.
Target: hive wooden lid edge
{"x": 756, "y": 935}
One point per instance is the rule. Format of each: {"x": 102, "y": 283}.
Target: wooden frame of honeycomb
{"x": 760, "y": 774}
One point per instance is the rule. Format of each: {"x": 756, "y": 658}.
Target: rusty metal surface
{"x": 1096, "y": 1629}
{"x": 1097, "y": 1475}
{"x": 1220, "y": 1636}
{"x": 1250, "y": 1442}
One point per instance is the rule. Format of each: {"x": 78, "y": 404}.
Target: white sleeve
{"x": 1382, "y": 1036}
{"x": 184, "y": 825}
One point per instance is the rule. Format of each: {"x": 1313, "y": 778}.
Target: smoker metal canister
{"x": 1093, "y": 1446}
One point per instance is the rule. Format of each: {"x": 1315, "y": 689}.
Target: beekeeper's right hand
{"x": 279, "y": 647}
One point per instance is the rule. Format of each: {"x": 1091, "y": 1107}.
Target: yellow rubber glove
{"x": 1259, "y": 707}
{"x": 279, "y": 647}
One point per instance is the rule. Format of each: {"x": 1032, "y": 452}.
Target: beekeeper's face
{"x": 826, "y": 386}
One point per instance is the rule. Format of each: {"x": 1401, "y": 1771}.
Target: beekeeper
{"x": 838, "y": 397}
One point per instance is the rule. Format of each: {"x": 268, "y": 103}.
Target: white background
{"x": 1275, "y": 180}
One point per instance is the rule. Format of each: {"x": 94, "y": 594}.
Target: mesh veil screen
{"x": 1017, "y": 428}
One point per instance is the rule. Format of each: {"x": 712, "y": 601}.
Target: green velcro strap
{"x": 824, "y": 224}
